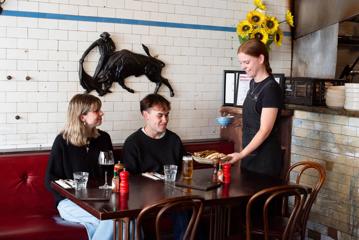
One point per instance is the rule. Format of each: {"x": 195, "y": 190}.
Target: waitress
{"x": 261, "y": 112}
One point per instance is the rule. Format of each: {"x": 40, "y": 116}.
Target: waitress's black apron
{"x": 267, "y": 158}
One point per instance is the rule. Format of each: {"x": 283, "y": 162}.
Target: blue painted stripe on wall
{"x": 118, "y": 20}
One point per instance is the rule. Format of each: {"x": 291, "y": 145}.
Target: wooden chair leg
{"x": 114, "y": 229}
{"x": 122, "y": 229}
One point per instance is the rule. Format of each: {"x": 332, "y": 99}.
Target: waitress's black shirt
{"x": 271, "y": 96}
{"x": 267, "y": 158}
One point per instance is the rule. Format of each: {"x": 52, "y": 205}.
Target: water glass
{"x": 170, "y": 172}
{"x": 80, "y": 180}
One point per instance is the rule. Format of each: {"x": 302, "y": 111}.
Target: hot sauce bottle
{"x": 115, "y": 182}
{"x": 118, "y": 167}
{"x": 220, "y": 173}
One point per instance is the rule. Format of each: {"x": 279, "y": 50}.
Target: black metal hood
{"x": 326, "y": 39}
{"x": 313, "y": 15}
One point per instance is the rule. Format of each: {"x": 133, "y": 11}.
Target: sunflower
{"x": 260, "y": 34}
{"x": 244, "y": 28}
{"x": 259, "y": 4}
{"x": 262, "y": 26}
{"x": 255, "y": 17}
{"x": 289, "y": 18}
{"x": 278, "y": 37}
{"x": 271, "y": 24}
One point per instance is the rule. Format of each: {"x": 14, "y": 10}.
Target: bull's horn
{"x": 146, "y": 50}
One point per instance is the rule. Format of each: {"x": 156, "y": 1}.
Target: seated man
{"x": 153, "y": 146}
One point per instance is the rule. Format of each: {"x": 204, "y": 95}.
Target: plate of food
{"x": 209, "y": 156}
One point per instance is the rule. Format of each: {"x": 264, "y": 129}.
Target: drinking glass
{"x": 80, "y": 180}
{"x": 187, "y": 167}
{"x": 106, "y": 160}
{"x": 170, "y": 172}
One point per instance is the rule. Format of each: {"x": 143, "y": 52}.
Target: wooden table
{"x": 144, "y": 191}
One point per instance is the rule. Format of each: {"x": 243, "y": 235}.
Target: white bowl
{"x": 340, "y": 91}
{"x": 352, "y": 85}
{"x": 334, "y": 104}
{"x": 330, "y": 94}
{"x": 352, "y": 106}
{"x": 334, "y": 95}
{"x": 336, "y": 88}
{"x": 355, "y": 90}
{"x": 351, "y": 102}
{"x": 334, "y": 99}
{"x": 351, "y": 97}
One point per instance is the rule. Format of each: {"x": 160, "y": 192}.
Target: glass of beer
{"x": 187, "y": 167}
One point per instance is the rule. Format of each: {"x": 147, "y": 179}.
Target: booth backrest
{"x": 22, "y": 184}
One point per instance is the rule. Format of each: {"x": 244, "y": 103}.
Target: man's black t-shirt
{"x": 142, "y": 153}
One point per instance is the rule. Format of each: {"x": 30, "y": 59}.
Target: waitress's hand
{"x": 235, "y": 157}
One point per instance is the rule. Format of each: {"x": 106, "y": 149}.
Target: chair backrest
{"x": 192, "y": 205}
{"x": 303, "y": 168}
{"x": 270, "y": 196}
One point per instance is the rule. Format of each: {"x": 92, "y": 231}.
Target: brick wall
{"x": 45, "y": 39}
{"x": 334, "y": 142}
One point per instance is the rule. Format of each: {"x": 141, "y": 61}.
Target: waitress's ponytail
{"x": 268, "y": 68}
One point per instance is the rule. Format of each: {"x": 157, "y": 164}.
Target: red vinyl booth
{"x": 27, "y": 209}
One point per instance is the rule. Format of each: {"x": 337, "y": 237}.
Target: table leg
{"x": 228, "y": 221}
{"x": 218, "y": 223}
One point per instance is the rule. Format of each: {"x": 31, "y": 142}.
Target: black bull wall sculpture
{"x": 120, "y": 65}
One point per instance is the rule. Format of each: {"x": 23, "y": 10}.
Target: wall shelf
{"x": 323, "y": 109}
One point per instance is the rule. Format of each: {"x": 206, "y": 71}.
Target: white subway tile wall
{"x": 48, "y": 50}
{"x": 332, "y": 141}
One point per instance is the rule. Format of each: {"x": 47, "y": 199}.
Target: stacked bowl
{"x": 335, "y": 96}
{"x": 352, "y": 96}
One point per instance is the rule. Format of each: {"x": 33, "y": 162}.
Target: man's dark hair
{"x": 154, "y": 100}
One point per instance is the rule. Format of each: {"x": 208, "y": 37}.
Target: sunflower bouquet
{"x": 262, "y": 26}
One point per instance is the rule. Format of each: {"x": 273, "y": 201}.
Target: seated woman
{"x": 77, "y": 148}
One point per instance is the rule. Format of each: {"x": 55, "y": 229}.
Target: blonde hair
{"x": 75, "y": 130}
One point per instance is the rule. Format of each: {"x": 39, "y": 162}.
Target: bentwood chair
{"x": 310, "y": 174}
{"x": 266, "y": 226}
{"x": 162, "y": 212}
